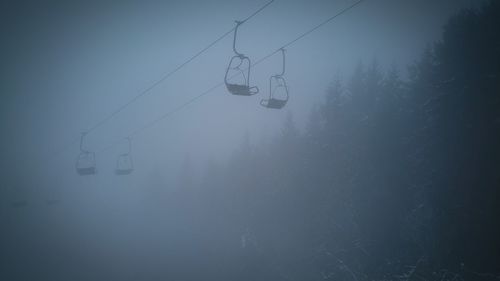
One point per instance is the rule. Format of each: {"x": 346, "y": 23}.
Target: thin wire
{"x": 184, "y": 105}
{"x": 166, "y": 76}
{"x": 343, "y": 11}
{"x": 163, "y": 78}
{"x": 162, "y": 117}
{"x": 152, "y": 86}
{"x": 321, "y": 24}
{"x": 256, "y": 12}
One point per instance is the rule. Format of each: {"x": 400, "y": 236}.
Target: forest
{"x": 388, "y": 173}
{"x": 393, "y": 178}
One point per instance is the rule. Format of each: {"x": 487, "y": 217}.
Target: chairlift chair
{"x": 85, "y": 163}
{"x": 124, "y": 164}
{"x": 278, "y": 89}
{"x": 239, "y": 65}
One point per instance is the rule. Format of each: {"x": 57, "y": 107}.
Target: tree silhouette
{"x": 392, "y": 179}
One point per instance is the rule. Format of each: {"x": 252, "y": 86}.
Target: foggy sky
{"x": 68, "y": 65}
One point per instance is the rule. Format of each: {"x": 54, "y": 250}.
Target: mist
{"x": 126, "y": 154}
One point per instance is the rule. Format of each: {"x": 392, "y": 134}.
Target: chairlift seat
{"x": 122, "y": 172}
{"x": 86, "y": 171}
{"x": 241, "y": 90}
{"x": 273, "y": 103}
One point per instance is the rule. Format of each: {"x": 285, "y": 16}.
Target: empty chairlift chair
{"x": 85, "y": 163}
{"x": 238, "y": 70}
{"x": 124, "y": 164}
{"x": 278, "y": 89}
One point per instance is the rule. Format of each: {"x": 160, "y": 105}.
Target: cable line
{"x": 164, "y": 116}
{"x": 165, "y": 77}
{"x": 184, "y": 105}
{"x": 343, "y": 11}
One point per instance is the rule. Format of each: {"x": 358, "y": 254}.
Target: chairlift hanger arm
{"x": 238, "y": 23}
{"x": 129, "y": 145}
{"x": 283, "y": 60}
{"x": 81, "y": 142}
{"x": 210, "y": 90}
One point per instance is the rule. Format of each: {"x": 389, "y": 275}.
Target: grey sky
{"x": 69, "y": 65}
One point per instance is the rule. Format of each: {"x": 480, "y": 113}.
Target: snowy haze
{"x": 71, "y": 65}
{"x": 66, "y": 65}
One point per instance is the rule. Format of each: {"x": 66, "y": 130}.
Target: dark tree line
{"x": 391, "y": 180}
